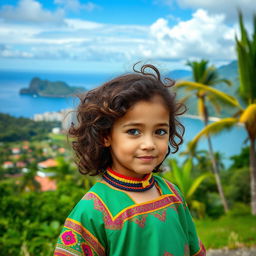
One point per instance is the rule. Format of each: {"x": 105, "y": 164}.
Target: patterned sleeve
{"x": 83, "y": 233}
{"x": 195, "y": 245}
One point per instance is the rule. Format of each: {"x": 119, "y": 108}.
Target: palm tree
{"x": 204, "y": 79}
{"x": 246, "y": 52}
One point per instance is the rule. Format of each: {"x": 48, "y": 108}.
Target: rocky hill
{"x": 45, "y": 88}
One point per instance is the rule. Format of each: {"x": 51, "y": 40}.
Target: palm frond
{"x": 220, "y": 95}
{"x": 212, "y": 129}
{"x": 223, "y": 80}
{"x": 249, "y": 115}
{"x": 196, "y": 183}
{"x": 198, "y": 69}
{"x": 246, "y": 52}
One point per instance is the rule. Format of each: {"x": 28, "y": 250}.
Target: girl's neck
{"x": 128, "y": 183}
{"x": 132, "y": 176}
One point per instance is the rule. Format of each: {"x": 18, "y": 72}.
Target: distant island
{"x": 45, "y": 88}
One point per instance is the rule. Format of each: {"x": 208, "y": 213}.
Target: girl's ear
{"x": 107, "y": 141}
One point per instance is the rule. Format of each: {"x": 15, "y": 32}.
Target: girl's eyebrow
{"x": 141, "y": 124}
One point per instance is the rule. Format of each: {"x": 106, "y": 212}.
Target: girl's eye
{"x": 133, "y": 132}
{"x": 161, "y": 132}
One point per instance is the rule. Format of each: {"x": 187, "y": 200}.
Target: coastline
{"x": 211, "y": 118}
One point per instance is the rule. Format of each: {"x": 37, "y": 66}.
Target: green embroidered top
{"x": 108, "y": 222}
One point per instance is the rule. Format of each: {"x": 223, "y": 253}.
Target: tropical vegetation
{"x": 18, "y": 129}
{"x": 181, "y": 175}
{"x": 246, "y": 51}
{"x": 204, "y": 78}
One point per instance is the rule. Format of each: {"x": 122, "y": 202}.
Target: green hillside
{"x": 20, "y": 128}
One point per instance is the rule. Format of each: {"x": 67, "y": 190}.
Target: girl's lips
{"x": 146, "y": 158}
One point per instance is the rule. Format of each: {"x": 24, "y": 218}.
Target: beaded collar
{"x": 123, "y": 182}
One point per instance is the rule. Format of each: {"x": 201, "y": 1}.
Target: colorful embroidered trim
{"x": 73, "y": 225}
{"x": 202, "y": 251}
{"x": 116, "y": 222}
{"x": 122, "y": 182}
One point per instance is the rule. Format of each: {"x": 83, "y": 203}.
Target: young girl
{"x": 125, "y": 130}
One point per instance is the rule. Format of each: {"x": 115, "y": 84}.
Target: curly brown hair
{"x": 101, "y": 107}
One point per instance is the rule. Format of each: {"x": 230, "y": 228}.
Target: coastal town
{"x": 20, "y": 158}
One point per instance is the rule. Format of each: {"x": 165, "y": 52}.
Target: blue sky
{"x": 109, "y": 36}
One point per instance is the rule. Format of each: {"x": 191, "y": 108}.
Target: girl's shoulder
{"x": 168, "y": 187}
{"x": 111, "y": 199}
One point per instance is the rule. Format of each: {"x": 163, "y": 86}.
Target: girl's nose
{"x": 148, "y": 143}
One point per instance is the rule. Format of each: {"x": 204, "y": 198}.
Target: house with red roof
{"x": 46, "y": 183}
{"x": 48, "y": 163}
{"x": 8, "y": 164}
{"x": 15, "y": 150}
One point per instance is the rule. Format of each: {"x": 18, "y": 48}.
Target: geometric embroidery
{"x": 168, "y": 254}
{"x": 131, "y": 213}
{"x": 92, "y": 241}
{"x": 186, "y": 250}
{"x": 140, "y": 220}
{"x": 68, "y": 238}
{"x": 202, "y": 251}
{"x": 160, "y": 215}
{"x": 171, "y": 187}
{"x": 86, "y": 250}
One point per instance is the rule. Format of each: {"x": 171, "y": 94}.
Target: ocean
{"x": 13, "y": 103}
{"x": 228, "y": 143}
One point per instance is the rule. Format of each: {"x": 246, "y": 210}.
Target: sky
{"x": 110, "y": 36}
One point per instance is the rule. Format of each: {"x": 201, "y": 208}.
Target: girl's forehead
{"x": 155, "y": 101}
{"x": 147, "y": 112}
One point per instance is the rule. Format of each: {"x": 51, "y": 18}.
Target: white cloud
{"x": 78, "y": 24}
{"x": 203, "y": 36}
{"x": 79, "y": 39}
{"x": 76, "y": 6}
{"x": 30, "y": 11}
{"x": 7, "y": 52}
{"x": 227, "y": 7}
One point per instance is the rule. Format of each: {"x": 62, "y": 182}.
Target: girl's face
{"x": 139, "y": 140}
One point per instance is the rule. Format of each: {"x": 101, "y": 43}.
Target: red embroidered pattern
{"x": 186, "y": 250}
{"x": 63, "y": 250}
{"x": 68, "y": 238}
{"x": 168, "y": 254}
{"x": 140, "y": 221}
{"x": 202, "y": 251}
{"x": 160, "y": 216}
{"x": 117, "y": 221}
{"x": 60, "y": 252}
{"x": 172, "y": 188}
{"x": 87, "y": 236}
{"x": 86, "y": 250}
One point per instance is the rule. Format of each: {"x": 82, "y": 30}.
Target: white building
{"x": 65, "y": 116}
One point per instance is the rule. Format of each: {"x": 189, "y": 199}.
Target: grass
{"x": 229, "y": 232}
